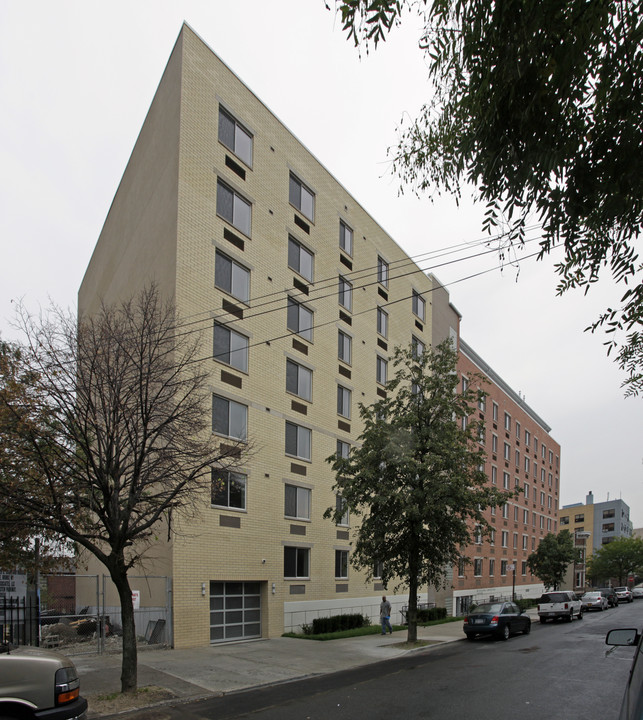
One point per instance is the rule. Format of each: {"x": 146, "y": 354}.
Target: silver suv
{"x": 37, "y": 683}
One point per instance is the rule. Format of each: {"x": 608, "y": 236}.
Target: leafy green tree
{"x": 552, "y": 558}
{"x": 539, "y": 107}
{"x": 416, "y": 478}
{"x": 109, "y": 440}
{"x": 618, "y": 559}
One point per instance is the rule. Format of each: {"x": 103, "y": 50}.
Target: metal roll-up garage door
{"x": 235, "y": 611}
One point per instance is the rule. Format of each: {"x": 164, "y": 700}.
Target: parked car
{"x": 632, "y": 705}
{"x": 609, "y": 593}
{"x": 623, "y": 594}
{"x": 559, "y": 604}
{"x": 501, "y": 619}
{"x": 37, "y": 683}
{"x": 594, "y": 601}
{"x": 637, "y": 592}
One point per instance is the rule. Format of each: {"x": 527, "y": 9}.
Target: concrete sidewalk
{"x": 225, "y": 668}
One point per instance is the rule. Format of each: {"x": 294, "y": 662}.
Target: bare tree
{"x": 112, "y": 435}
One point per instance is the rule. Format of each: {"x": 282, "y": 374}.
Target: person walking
{"x": 385, "y": 615}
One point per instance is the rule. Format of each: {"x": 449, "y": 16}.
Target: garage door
{"x": 235, "y": 611}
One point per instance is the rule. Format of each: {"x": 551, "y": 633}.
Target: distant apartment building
{"x": 521, "y": 456}
{"x": 300, "y": 298}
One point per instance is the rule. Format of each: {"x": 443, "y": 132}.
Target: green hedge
{"x": 429, "y": 614}
{"x": 337, "y": 622}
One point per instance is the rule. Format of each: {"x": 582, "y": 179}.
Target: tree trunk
{"x": 129, "y": 666}
{"x": 411, "y": 616}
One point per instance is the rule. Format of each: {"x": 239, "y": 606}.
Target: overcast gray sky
{"x": 76, "y": 80}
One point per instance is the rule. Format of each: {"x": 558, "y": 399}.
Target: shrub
{"x": 429, "y": 614}
{"x": 334, "y": 623}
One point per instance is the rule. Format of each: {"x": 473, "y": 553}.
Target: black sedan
{"x": 499, "y": 618}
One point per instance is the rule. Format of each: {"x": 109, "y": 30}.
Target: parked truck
{"x": 559, "y": 604}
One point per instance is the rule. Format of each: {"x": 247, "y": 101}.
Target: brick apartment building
{"x": 300, "y": 297}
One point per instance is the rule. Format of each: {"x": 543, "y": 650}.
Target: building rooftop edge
{"x": 493, "y": 375}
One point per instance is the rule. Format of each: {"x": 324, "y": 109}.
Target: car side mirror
{"x": 622, "y": 636}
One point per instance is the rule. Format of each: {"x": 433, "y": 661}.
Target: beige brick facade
{"x": 163, "y": 226}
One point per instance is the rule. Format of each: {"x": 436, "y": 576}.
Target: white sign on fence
{"x": 136, "y": 599}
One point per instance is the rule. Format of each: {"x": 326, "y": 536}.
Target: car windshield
{"x": 553, "y": 598}
{"x": 493, "y": 608}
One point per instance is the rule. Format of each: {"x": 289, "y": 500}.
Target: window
{"x": 344, "y": 347}
{"x": 342, "y": 507}
{"x": 345, "y": 293}
{"x": 525, "y": 517}
{"x": 494, "y": 475}
{"x": 233, "y": 208}
{"x": 343, "y": 449}
{"x": 492, "y": 567}
{"x": 482, "y": 403}
{"x": 461, "y": 564}
{"x": 516, "y": 513}
{"x": 228, "y": 489}
{"x": 345, "y": 238}
{"x": 341, "y": 564}
{"x": 229, "y": 418}
{"x": 492, "y": 537}
{"x": 495, "y": 412}
{"x": 230, "y": 347}
{"x": 418, "y": 305}
{"x": 542, "y": 498}
{"x": 382, "y": 271}
{"x": 297, "y": 502}
{"x": 493, "y": 511}
{"x": 542, "y": 475}
{"x": 527, "y": 437}
{"x": 515, "y": 541}
{"x": 551, "y": 457}
{"x": 517, "y": 431}
{"x": 564, "y": 521}
{"x": 505, "y": 511}
{"x": 494, "y": 444}
{"x": 382, "y": 322}
{"x": 517, "y": 458}
{"x": 343, "y": 401}
{"x": 549, "y": 501}
{"x": 505, "y": 480}
{"x": 526, "y": 464}
{"x": 300, "y": 259}
{"x": 535, "y": 470}
{"x": 524, "y": 567}
{"x": 378, "y": 569}
{"x": 507, "y": 421}
{"x": 608, "y": 527}
{"x": 298, "y": 441}
{"x": 231, "y": 277}
{"x": 542, "y": 522}
{"x": 609, "y": 514}
{"x": 417, "y": 347}
{"x": 536, "y": 445}
{"x": 299, "y": 380}
{"x": 300, "y": 319}
{"x": 507, "y": 452}
{"x": 477, "y": 567}
{"x": 381, "y": 370}
{"x": 477, "y": 535}
{"x": 235, "y": 137}
{"x": 302, "y": 198}
{"x": 503, "y": 567}
{"x": 543, "y": 451}
{"x": 465, "y": 384}
{"x": 296, "y": 562}
{"x": 505, "y": 538}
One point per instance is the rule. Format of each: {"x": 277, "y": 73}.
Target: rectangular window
{"x": 342, "y": 507}
{"x": 517, "y": 458}
{"x": 341, "y": 564}
{"x": 417, "y": 347}
{"x": 300, "y": 259}
{"x": 494, "y": 475}
{"x": 543, "y": 451}
{"x": 564, "y": 521}
{"x": 515, "y": 541}
{"x": 378, "y": 569}
{"x": 228, "y": 489}
{"x": 527, "y": 438}
{"x": 542, "y": 475}
{"x": 507, "y": 421}
{"x": 298, "y": 441}
{"x": 551, "y": 457}
{"x": 382, "y": 271}
{"x": 343, "y": 401}
{"x": 549, "y": 501}
{"x": 299, "y": 380}
{"x": 296, "y": 562}
{"x": 461, "y": 565}
{"x": 230, "y": 347}
{"x": 525, "y": 517}
{"x": 505, "y": 538}
{"x": 609, "y": 514}
{"x": 343, "y": 449}
{"x": 506, "y": 479}
{"x": 517, "y": 431}
{"x": 505, "y": 511}
{"x": 535, "y": 470}
{"x": 232, "y": 277}
{"x": 418, "y": 305}
{"x": 235, "y": 137}
{"x": 492, "y": 537}
{"x": 608, "y": 527}
{"x": 495, "y": 412}
{"x": 345, "y": 293}
{"x": 503, "y": 567}
{"x": 300, "y": 319}
{"x": 233, "y": 208}
{"x": 482, "y": 403}
{"x": 494, "y": 444}
{"x": 297, "y": 502}
{"x": 536, "y": 445}
{"x": 492, "y": 567}
{"x": 542, "y": 498}
{"x": 526, "y": 464}
{"x": 477, "y": 567}
{"x": 344, "y": 347}
{"x": 382, "y": 322}
{"x": 302, "y": 198}
{"x": 381, "y": 370}
{"x": 345, "y": 238}
{"x": 229, "y": 418}
{"x": 507, "y": 452}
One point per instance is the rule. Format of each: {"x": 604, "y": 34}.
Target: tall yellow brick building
{"x": 300, "y": 297}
